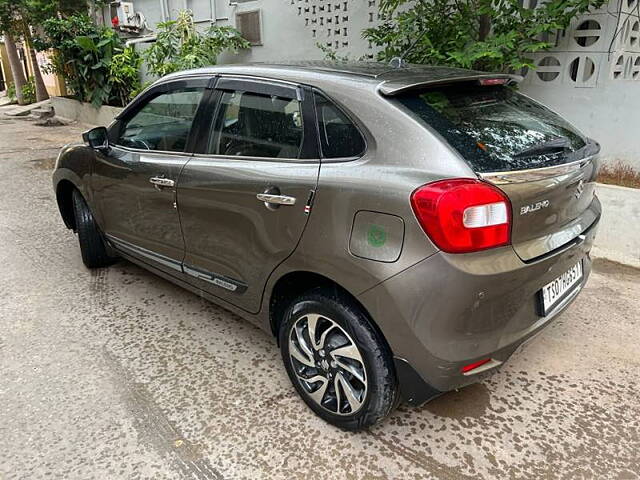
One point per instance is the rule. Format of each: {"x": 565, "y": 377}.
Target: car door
{"x": 134, "y": 182}
{"x": 245, "y": 197}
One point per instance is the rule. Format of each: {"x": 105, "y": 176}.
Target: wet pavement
{"x": 118, "y": 374}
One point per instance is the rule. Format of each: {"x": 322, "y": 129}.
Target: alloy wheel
{"x": 328, "y": 364}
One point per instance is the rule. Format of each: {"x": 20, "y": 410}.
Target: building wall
{"x": 592, "y": 76}
{"x": 54, "y": 84}
{"x": 4, "y": 65}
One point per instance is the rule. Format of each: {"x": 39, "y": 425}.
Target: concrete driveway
{"x": 117, "y": 374}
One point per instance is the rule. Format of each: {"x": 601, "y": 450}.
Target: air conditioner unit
{"x": 126, "y": 19}
{"x": 126, "y": 15}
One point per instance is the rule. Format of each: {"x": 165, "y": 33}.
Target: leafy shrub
{"x": 29, "y": 91}
{"x": 141, "y": 87}
{"x": 124, "y": 74}
{"x": 11, "y": 92}
{"x": 179, "y": 46}
{"x": 93, "y": 60}
{"x": 490, "y": 35}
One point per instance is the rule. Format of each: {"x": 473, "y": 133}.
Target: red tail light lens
{"x": 463, "y": 215}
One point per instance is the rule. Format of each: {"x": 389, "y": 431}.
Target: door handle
{"x": 160, "y": 182}
{"x": 276, "y": 199}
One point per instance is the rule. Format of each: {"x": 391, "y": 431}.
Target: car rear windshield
{"x": 495, "y": 128}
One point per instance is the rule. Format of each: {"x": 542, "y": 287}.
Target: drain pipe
{"x": 212, "y": 9}
{"x": 163, "y": 10}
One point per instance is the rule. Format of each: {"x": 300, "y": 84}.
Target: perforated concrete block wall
{"x": 592, "y": 77}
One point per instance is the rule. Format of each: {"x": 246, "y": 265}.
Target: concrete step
{"x": 4, "y": 101}
{"x": 43, "y": 112}
{"x": 23, "y": 110}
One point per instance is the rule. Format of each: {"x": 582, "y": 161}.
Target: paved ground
{"x": 117, "y": 374}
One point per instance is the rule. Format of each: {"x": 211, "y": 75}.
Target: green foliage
{"x": 41, "y": 10}
{"x": 9, "y": 12}
{"x": 179, "y": 46}
{"x": 93, "y": 60}
{"x": 29, "y": 91}
{"x": 141, "y": 88}
{"x": 124, "y": 74}
{"x": 11, "y": 92}
{"x": 34, "y": 12}
{"x": 490, "y": 35}
{"x": 331, "y": 54}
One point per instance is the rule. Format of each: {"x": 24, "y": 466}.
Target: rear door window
{"x": 339, "y": 137}
{"x": 255, "y": 125}
{"x": 495, "y": 128}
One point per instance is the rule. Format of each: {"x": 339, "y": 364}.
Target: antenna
{"x": 400, "y": 62}
{"x": 397, "y": 62}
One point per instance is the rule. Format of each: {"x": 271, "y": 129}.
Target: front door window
{"x": 163, "y": 124}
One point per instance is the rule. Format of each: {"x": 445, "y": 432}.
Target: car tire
{"x": 356, "y": 385}
{"x": 92, "y": 244}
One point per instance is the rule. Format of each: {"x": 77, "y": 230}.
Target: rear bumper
{"x": 448, "y": 311}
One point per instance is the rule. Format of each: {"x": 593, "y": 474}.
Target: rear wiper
{"x": 555, "y": 145}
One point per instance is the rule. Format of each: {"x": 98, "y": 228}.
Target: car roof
{"x": 388, "y": 79}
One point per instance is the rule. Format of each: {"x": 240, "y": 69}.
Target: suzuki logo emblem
{"x": 579, "y": 189}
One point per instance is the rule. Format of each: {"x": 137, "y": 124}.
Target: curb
{"x": 618, "y": 237}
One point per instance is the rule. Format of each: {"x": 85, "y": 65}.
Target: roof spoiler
{"x": 397, "y": 86}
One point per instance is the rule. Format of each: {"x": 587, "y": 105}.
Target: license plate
{"x": 553, "y": 292}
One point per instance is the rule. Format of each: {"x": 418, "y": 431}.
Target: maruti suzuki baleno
{"x": 399, "y": 231}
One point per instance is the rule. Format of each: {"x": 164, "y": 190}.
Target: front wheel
{"x": 92, "y": 244}
{"x": 337, "y": 361}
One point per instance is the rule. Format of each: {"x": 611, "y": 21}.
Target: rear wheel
{"x": 92, "y": 244}
{"x": 337, "y": 361}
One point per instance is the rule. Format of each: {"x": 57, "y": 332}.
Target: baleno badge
{"x": 533, "y": 207}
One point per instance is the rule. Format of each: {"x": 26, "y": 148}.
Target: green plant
{"x": 141, "y": 88}
{"x": 94, "y": 69}
{"x": 331, "y": 54}
{"x": 29, "y": 91}
{"x": 11, "y": 92}
{"x": 490, "y": 35}
{"x": 18, "y": 18}
{"x": 179, "y": 46}
{"x": 124, "y": 74}
{"x": 84, "y": 54}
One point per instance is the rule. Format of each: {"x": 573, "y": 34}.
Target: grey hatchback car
{"x": 399, "y": 231}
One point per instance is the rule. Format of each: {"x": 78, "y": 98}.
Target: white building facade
{"x": 592, "y": 76}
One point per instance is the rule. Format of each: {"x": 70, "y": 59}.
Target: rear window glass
{"x": 339, "y": 137}
{"x": 495, "y": 128}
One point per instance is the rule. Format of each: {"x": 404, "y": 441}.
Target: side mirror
{"x": 97, "y": 138}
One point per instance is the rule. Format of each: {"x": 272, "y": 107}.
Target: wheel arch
{"x": 294, "y": 284}
{"x": 64, "y": 197}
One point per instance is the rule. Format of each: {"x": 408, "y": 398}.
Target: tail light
{"x": 463, "y": 215}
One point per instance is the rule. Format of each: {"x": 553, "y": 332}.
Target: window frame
{"x": 364, "y": 133}
{"x": 309, "y": 151}
{"x": 115, "y": 129}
